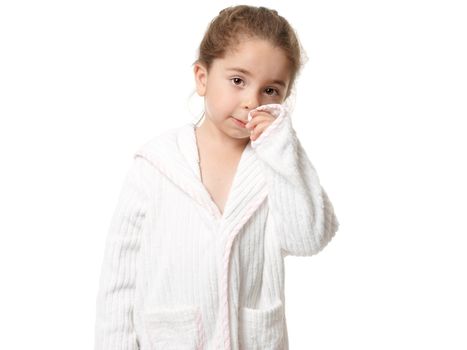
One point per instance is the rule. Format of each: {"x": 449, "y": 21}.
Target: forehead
{"x": 257, "y": 57}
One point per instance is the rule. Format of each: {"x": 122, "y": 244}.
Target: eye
{"x": 236, "y": 79}
{"x": 274, "y": 90}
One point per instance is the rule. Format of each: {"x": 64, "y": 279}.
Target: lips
{"x": 241, "y": 121}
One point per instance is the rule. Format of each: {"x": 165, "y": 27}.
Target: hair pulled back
{"x": 236, "y": 23}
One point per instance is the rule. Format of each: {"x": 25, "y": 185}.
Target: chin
{"x": 239, "y": 135}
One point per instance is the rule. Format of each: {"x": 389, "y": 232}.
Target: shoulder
{"x": 149, "y": 152}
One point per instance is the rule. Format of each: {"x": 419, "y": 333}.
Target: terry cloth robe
{"x": 178, "y": 274}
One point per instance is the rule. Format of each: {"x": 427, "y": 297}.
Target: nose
{"x": 251, "y": 102}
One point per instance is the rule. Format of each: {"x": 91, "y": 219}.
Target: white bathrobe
{"x": 179, "y": 275}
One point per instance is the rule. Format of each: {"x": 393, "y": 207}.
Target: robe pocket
{"x": 174, "y": 328}
{"x": 262, "y": 329}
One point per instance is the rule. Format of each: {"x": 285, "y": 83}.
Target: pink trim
{"x": 201, "y": 332}
{"x": 280, "y": 112}
{"x": 224, "y": 290}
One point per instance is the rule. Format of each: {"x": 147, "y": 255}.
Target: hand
{"x": 260, "y": 120}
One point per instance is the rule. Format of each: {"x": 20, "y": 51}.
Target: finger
{"x": 257, "y": 113}
{"x": 258, "y": 119}
{"x": 258, "y": 130}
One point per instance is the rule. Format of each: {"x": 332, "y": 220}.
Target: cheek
{"x": 217, "y": 91}
{"x": 224, "y": 99}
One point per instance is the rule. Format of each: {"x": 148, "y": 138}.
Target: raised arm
{"x": 304, "y": 216}
{"x": 115, "y": 300}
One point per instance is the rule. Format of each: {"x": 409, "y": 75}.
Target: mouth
{"x": 240, "y": 121}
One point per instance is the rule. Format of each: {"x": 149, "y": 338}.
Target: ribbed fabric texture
{"x": 297, "y": 200}
{"x": 115, "y": 302}
{"x": 179, "y": 274}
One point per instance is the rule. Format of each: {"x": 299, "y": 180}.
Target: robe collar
{"x": 174, "y": 154}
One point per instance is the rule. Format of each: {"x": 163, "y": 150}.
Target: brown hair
{"x": 235, "y": 23}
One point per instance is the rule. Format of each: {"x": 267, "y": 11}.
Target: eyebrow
{"x": 244, "y": 71}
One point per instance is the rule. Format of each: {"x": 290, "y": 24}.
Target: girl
{"x": 195, "y": 251}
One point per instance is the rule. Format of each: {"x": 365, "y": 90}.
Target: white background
{"x": 380, "y": 108}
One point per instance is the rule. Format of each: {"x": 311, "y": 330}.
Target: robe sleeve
{"x": 114, "y": 328}
{"x": 302, "y": 212}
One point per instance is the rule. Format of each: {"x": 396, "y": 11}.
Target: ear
{"x": 201, "y": 77}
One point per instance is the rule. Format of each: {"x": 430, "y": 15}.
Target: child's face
{"x": 230, "y": 93}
